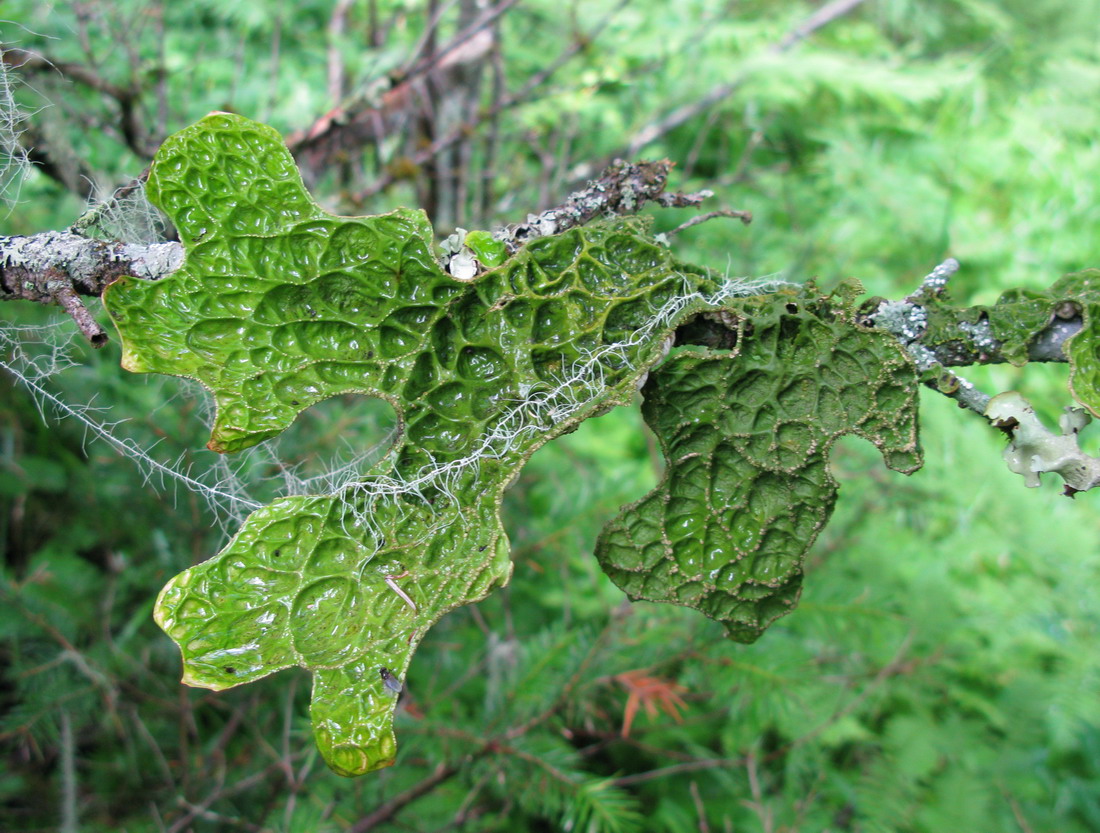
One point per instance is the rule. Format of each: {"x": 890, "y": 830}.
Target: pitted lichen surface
{"x": 304, "y": 584}
{"x": 279, "y": 305}
{"x": 747, "y": 433}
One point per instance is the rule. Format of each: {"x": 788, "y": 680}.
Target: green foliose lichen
{"x": 489, "y": 251}
{"x": 747, "y": 433}
{"x": 279, "y": 305}
{"x": 1020, "y": 315}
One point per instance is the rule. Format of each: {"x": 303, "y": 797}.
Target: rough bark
{"x": 56, "y": 267}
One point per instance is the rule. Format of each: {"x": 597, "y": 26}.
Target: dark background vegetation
{"x": 942, "y": 670}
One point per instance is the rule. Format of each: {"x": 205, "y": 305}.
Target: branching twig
{"x": 504, "y": 103}
{"x": 126, "y": 97}
{"x": 936, "y": 335}
{"x": 28, "y": 264}
{"x": 371, "y": 117}
{"x": 744, "y": 216}
{"x": 907, "y": 321}
{"x": 623, "y": 189}
{"x": 442, "y": 773}
{"x": 56, "y": 267}
{"x": 336, "y": 24}
{"x": 61, "y": 292}
{"x": 950, "y": 340}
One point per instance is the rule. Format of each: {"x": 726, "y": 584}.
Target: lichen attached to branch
{"x": 278, "y": 305}
{"x": 1034, "y": 449}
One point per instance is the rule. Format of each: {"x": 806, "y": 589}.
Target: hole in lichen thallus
{"x": 716, "y": 330}
{"x": 343, "y": 436}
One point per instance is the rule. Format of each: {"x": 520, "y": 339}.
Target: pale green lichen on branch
{"x": 279, "y": 305}
{"x": 1034, "y": 449}
{"x": 1059, "y": 324}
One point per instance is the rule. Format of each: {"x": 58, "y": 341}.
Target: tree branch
{"x": 127, "y": 98}
{"x": 375, "y": 114}
{"x": 622, "y": 189}
{"x": 62, "y": 292}
{"x": 744, "y": 216}
{"x": 55, "y": 267}
{"x": 505, "y": 102}
{"x": 58, "y": 162}
{"x": 938, "y": 336}
{"x": 443, "y": 772}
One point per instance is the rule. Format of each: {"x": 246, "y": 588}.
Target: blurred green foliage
{"x": 942, "y": 670}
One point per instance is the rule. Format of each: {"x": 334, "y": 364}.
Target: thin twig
{"x": 367, "y": 118}
{"x": 757, "y": 805}
{"x": 823, "y": 16}
{"x": 336, "y": 25}
{"x": 62, "y": 292}
{"x": 676, "y": 769}
{"x": 907, "y": 321}
{"x": 442, "y": 773}
{"x": 68, "y": 776}
{"x": 1017, "y": 813}
{"x": 127, "y": 97}
{"x": 391, "y": 582}
{"x": 622, "y": 189}
{"x": 700, "y": 807}
{"x": 744, "y": 216}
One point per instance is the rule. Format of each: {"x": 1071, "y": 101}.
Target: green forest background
{"x": 942, "y": 672}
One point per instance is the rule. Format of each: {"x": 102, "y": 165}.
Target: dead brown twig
{"x": 744, "y": 216}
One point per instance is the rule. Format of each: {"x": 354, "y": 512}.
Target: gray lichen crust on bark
{"x": 622, "y": 189}
{"x": 949, "y": 339}
{"x": 55, "y": 267}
